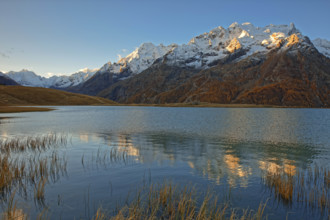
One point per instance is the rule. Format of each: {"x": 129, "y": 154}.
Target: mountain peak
{"x": 234, "y": 25}
{"x": 204, "y": 49}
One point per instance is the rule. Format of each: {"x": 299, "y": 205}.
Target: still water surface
{"x": 222, "y": 149}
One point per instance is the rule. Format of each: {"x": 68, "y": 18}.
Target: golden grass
{"x": 20, "y": 96}
{"x": 169, "y": 202}
{"x": 39, "y": 191}
{"x": 39, "y": 143}
{"x": 310, "y": 187}
{"x": 32, "y": 169}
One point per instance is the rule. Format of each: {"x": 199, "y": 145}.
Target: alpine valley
{"x": 243, "y": 64}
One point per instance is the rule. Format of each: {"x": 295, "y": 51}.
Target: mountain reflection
{"x": 219, "y": 160}
{"x": 236, "y": 172}
{"x": 274, "y": 168}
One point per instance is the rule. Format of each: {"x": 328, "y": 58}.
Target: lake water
{"x": 226, "y": 150}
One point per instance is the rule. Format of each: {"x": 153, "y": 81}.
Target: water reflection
{"x": 288, "y": 166}
{"x": 237, "y": 172}
{"x": 227, "y": 147}
{"x": 221, "y": 161}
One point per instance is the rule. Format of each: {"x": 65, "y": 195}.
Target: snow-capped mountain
{"x": 140, "y": 59}
{"x": 204, "y": 49}
{"x": 29, "y": 78}
{"x": 74, "y": 79}
{"x": 275, "y": 65}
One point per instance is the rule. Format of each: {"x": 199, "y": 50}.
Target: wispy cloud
{"x": 122, "y": 54}
{"x": 9, "y": 52}
{"x": 4, "y": 55}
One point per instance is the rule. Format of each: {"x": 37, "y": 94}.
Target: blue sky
{"x": 62, "y": 36}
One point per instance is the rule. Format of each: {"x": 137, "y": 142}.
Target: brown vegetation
{"x": 169, "y": 202}
{"x": 310, "y": 187}
{"x": 20, "y": 95}
{"x": 291, "y": 77}
{"x": 32, "y": 170}
{"x": 16, "y": 109}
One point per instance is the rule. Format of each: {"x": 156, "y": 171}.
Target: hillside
{"x": 293, "y": 76}
{"x": 20, "y": 95}
{"x": 244, "y": 64}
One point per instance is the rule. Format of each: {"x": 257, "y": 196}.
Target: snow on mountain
{"x": 323, "y": 46}
{"x": 202, "y": 50}
{"x": 217, "y": 44}
{"x": 139, "y": 60}
{"x": 29, "y": 78}
{"x": 72, "y": 80}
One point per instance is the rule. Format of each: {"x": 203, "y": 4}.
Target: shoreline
{"x": 20, "y": 109}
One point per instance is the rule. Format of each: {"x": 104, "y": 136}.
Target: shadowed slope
{"x": 6, "y": 80}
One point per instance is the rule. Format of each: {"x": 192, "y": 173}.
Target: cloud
{"x": 3, "y": 55}
{"x": 122, "y": 54}
{"x": 48, "y": 75}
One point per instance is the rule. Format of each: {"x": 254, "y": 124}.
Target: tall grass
{"x": 39, "y": 143}
{"x": 18, "y": 170}
{"x": 307, "y": 187}
{"x": 169, "y": 202}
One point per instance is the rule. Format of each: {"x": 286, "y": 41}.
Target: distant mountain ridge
{"x": 29, "y": 78}
{"x": 275, "y": 64}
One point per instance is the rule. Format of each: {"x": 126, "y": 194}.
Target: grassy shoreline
{"x": 18, "y": 109}
{"x": 204, "y": 105}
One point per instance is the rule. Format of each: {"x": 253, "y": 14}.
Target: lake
{"x": 113, "y": 151}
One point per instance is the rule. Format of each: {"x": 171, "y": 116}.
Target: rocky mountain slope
{"x": 274, "y": 65}
{"x": 29, "y": 78}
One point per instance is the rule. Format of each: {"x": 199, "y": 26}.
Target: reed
{"x": 106, "y": 158}
{"x": 39, "y": 143}
{"x": 21, "y": 171}
{"x": 308, "y": 187}
{"x": 169, "y": 202}
{"x": 39, "y": 192}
